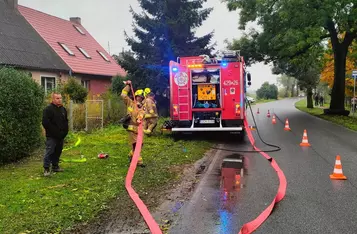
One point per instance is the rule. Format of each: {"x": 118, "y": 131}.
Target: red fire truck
{"x": 208, "y": 94}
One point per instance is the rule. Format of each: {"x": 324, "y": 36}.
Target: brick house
{"x": 22, "y": 47}
{"x": 86, "y": 58}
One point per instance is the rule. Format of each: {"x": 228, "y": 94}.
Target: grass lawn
{"x": 30, "y": 203}
{"x": 346, "y": 121}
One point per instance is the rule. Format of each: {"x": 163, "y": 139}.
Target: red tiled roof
{"x": 54, "y": 30}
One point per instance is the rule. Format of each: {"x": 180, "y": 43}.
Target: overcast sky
{"x": 106, "y": 20}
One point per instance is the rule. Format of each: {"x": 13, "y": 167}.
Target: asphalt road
{"x": 313, "y": 203}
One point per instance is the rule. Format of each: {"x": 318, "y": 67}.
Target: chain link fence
{"x": 95, "y": 113}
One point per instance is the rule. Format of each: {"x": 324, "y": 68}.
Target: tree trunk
{"x": 293, "y": 89}
{"x": 337, "y": 105}
{"x": 310, "y": 103}
{"x": 296, "y": 88}
{"x": 286, "y": 91}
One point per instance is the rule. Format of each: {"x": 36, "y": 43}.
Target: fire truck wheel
{"x": 241, "y": 136}
{"x": 177, "y": 136}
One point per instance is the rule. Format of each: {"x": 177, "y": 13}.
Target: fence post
{"x": 86, "y": 108}
{"x": 109, "y": 108}
{"x": 71, "y": 115}
{"x": 102, "y": 101}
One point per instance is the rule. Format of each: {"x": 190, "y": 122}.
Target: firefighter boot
{"x": 147, "y": 131}
{"x": 140, "y": 162}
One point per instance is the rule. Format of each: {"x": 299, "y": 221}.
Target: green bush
{"x": 21, "y": 103}
{"x": 117, "y": 84}
{"x": 114, "y": 108}
{"x": 75, "y": 90}
{"x": 267, "y": 91}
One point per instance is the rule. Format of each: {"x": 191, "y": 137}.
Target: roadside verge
{"x": 349, "y": 122}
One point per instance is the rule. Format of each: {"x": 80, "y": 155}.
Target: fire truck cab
{"x": 208, "y": 94}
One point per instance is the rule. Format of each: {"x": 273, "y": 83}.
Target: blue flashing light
{"x": 224, "y": 64}
{"x": 174, "y": 69}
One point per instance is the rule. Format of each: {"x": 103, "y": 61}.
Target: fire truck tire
{"x": 176, "y": 136}
{"x": 241, "y": 136}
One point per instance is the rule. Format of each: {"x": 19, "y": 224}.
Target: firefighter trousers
{"x": 150, "y": 124}
{"x": 131, "y": 153}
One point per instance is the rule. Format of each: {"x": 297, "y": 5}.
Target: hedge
{"x": 21, "y": 104}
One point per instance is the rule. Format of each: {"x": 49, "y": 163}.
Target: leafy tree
{"x": 21, "y": 103}
{"x": 117, "y": 84}
{"x": 75, "y": 90}
{"x": 267, "y": 91}
{"x": 288, "y": 83}
{"x": 164, "y": 31}
{"x": 291, "y": 28}
{"x": 305, "y": 68}
{"x": 328, "y": 72}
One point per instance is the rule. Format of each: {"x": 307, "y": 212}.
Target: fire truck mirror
{"x": 249, "y": 83}
{"x": 249, "y": 77}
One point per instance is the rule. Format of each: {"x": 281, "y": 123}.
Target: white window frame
{"x": 45, "y": 84}
{"x": 85, "y": 84}
{"x": 84, "y": 52}
{"x": 103, "y": 56}
{"x": 79, "y": 29}
{"x": 65, "y": 47}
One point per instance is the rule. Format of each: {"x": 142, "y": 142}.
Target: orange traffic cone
{"x": 273, "y": 120}
{"x": 287, "y": 128}
{"x": 268, "y": 115}
{"x": 305, "y": 141}
{"x": 337, "y": 171}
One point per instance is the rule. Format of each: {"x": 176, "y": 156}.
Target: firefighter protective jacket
{"x": 133, "y": 110}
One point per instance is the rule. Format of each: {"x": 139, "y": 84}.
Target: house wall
{"x": 97, "y": 84}
{"x": 36, "y": 75}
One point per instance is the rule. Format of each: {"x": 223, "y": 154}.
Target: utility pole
{"x": 109, "y": 48}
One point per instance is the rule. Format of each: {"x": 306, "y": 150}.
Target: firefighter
{"x": 146, "y": 92}
{"x": 151, "y": 116}
{"x": 136, "y": 113}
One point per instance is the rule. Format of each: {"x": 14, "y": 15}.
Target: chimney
{"x": 76, "y": 20}
{"x": 12, "y": 3}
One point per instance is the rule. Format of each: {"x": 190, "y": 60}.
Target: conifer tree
{"x": 164, "y": 30}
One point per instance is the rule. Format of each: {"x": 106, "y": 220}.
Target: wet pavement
{"x": 232, "y": 192}
{"x": 237, "y": 187}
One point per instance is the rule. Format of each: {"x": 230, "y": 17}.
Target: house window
{"x": 48, "y": 83}
{"x": 66, "y": 49}
{"x": 85, "y": 84}
{"x": 79, "y": 29}
{"x": 84, "y": 52}
{"x": 103, "y": 56}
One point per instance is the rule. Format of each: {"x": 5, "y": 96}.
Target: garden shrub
{"x": 117, "y": 84}
{"x": 75, "y": 90}
{"x": 21, "y": 105}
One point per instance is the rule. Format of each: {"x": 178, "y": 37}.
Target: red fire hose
{"x": 246, "y": 228}
{"x": 254, "y": 224}
{"x": 153, "y": 226}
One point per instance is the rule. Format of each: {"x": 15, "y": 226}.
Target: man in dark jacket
{"x": 55, "y": 122}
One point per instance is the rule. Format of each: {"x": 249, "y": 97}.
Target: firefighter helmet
{"x": 139, "y": 92}
{"x": 147, "y": 91}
